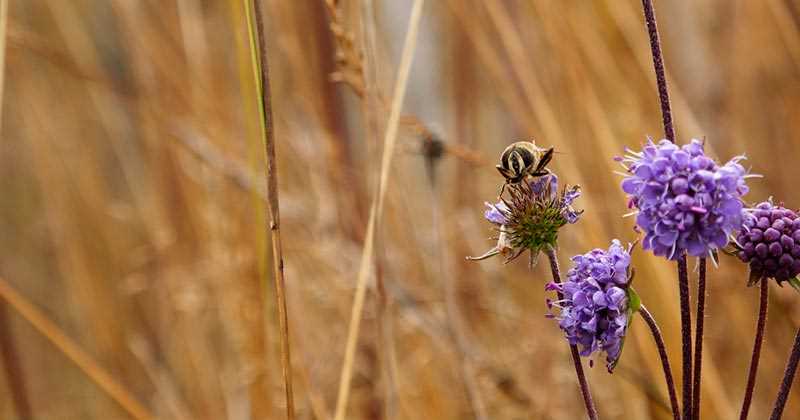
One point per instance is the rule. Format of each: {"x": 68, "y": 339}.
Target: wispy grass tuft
{"x": 365, "y": 268}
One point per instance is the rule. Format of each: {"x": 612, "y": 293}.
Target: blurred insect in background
{"x": 522, "y": 159}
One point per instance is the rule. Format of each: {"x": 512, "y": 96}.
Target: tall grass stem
{"x": 9, "y": 355}
{"x": 74, "y": 352}
{"x": 390, "y": 138}
{"x": 274, "y": 208}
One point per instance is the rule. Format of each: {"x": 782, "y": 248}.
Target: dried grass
{"x": 133, "y": 218}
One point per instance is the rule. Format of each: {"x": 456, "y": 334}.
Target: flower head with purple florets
{"x": 685, "y": 201}
{"x": 770, "y": 243}
{"x": 529, "y": 216}
{"x": 594, "y": 301}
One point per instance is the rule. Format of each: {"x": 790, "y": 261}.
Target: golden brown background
{"x": 132, "y": 212}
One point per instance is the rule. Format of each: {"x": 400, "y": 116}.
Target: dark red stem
{"x": 662, "y": 352}
{"x": 669, "y": 133}
{"x": 658, "y": 65}
{"x": 788, "y": 377}
{"x": 686, "y": 336}
{"x": 698, "y": 338}
{"x": 760, "y": 327}
{"x": 576, "y": 358}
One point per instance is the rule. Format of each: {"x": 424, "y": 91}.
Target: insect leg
{"x": 546, "y": 158}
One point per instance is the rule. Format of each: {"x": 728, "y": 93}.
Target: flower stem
{"x": 658, "y": 65}
{"x": 686, "y": 336}
{"x": 669, "y": 133}
{"x": 698, "y": 338}
{"x": 662, "y": 352}
{"x": 788, "y": 377}
{"x": 576, "y": 358}
{"x": 751, "y": 376}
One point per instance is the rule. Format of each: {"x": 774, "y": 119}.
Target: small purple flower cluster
{"x": 593, "y": 302}
{"x": 686, "y": 202}
{"x": 770, "y": 243}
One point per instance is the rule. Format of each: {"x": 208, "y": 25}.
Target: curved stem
{"x": 686, "y": 336}
{"x": 698, "y": 338}
{"x": 788, "y": 377}
{"x": 662, "y": 352}
{"x": 576, "y": 358}
{"x": 751, "y": 376}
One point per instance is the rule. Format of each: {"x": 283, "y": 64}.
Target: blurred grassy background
{"x": 132, "y": 213}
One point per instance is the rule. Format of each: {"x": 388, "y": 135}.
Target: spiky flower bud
{"x": 770, "y": 243}
{"x": 529, "y": 216}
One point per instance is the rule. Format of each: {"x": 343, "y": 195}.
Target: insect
{"x": 522, "y": 159}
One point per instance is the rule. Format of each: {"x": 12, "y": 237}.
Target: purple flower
{"x": 529, "y": 216}
{"x": 685, "y": 201}
{"x": 770, "y": 243}
{"x": 593, "y": 301}
{"x": 495, "y": 213}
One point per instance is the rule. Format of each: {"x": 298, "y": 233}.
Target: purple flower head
{"x": 770, "y": 243}
{"x": 593, "y": 301}
{"x": 529, "y": 216}
{"x": 686, "y": 202}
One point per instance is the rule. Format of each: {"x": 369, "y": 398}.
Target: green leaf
{"x": 634, "y": 304}
{"x": 634, "y": 301}
{"x": 795, "y": 283}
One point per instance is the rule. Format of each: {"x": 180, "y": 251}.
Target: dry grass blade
{"x": 8, "y": 347}
{"x": 274, "y": 209}
{"x": 3, "y": 32}
{"x": 389, "y": 141}
{"x": 73, "y": 352}
{"x": 9, "y": 357}
{"x": 132, "y": 173}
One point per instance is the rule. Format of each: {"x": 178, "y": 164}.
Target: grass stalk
{"x": 13, "y": 367}
{"x": 3, "y": 35}
{"x": 73, "y": 352}
{"x": 8, "y": 346}
{"x": 390, "y": 138}
{"x": 273, "y": 206}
